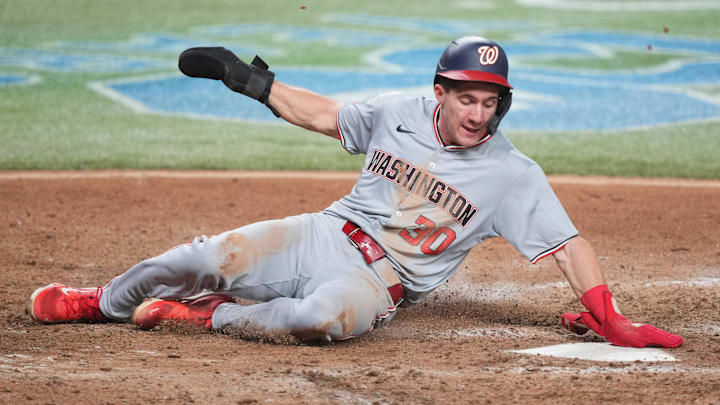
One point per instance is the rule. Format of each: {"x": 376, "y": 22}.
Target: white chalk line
{"x": 692, "y": 282}
{"x": 703, "y": 329}
{"x": 526, "y": 332}
{"x": 508, "y": 291}
{"x": 322, "y": 175}
{"x": 695, "y": 282}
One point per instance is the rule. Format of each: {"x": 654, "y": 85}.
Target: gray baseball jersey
{"x": 428, "y": 204}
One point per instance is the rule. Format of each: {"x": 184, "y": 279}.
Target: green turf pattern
{"x": 60, "y": 123}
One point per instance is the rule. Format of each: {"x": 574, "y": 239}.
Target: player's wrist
{"x": 254, "y": 80}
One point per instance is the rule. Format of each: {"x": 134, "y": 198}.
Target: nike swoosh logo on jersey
{"x": 403, "y": 130}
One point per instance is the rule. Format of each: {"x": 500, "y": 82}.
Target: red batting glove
{"x": 605, "y": 320}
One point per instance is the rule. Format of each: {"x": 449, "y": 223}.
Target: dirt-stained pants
{"x": 311, "y": 280}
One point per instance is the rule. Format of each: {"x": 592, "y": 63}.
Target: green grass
{"x": 61, "y": 124}
{"x": 665, "y": 151}
{"x": 619, "y": 60}
{"x": 116, "y": 137}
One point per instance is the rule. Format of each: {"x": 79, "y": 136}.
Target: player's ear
{"x": 440, "y": 93}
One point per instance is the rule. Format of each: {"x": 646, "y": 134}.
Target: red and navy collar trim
{"x": 436, "y": 119}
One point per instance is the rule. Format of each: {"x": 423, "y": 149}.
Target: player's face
{"x": 465, "y": 112}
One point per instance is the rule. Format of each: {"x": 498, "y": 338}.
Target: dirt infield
{"x": 658, "y": 242}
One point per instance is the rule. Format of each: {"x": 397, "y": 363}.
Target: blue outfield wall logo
{"x": 683, "y": 89}
{"x": 546, "y": 99}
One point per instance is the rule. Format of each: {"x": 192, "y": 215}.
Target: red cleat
{"x": 197, "y": 312}
{"x": 57, "y": 303}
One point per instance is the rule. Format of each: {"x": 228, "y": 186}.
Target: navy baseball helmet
{"x": 477, "y": 59}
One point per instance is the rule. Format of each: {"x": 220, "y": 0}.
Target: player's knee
{"x": 187, "y": 259}
{"x": 177, "y": 270}
{"x": 323, "y": 320}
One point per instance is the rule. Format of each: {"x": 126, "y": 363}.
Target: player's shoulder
{"x": 514, "y": 162}
{"x": 413, "y": 107}
{"x": 397, "y": 98}
{"x": 396, "y": 105}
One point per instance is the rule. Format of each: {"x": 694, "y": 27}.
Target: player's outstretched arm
{"x": 298, "y": 106}
{"x": 305, "y": 108}
{"x": 579, "y": 264}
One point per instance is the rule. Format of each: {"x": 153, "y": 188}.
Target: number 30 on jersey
{"x": 434, "y": 240}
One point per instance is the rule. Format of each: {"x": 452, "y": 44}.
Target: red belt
{"x": 372, "y": 252}
{"x": 396, "y": 292}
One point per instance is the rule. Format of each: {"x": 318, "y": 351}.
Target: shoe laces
{"x": 84, "y": 303}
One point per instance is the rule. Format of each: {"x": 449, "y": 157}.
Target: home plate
{"x": 599, "y": 352}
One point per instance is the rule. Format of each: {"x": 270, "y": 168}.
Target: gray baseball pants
{"x": 310, "y": 280}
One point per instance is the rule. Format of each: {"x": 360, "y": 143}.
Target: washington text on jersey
{"x": 423, "y": 184}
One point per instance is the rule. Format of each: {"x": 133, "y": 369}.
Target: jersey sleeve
{"x": 531, "y": 217}
{"x": 356, "y": 121}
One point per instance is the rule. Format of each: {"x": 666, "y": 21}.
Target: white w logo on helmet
{"x": 488, "y": 55}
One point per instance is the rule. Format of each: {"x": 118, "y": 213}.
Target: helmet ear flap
{"x": 504, "y": 102}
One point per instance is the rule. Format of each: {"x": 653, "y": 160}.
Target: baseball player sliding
{"x": 438, "y": 179}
